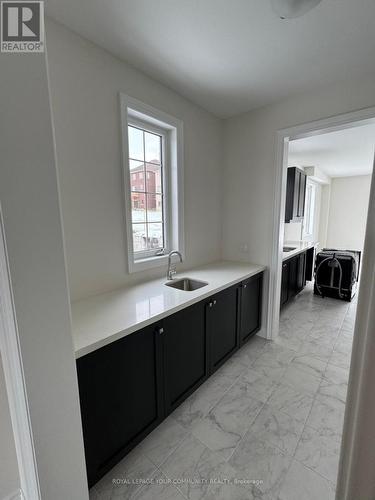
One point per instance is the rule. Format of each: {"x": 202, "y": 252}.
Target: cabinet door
{"x": 250, "y": 307}
{"x": 301, "y": 266}
{"x": 284, "y": 284}
{"x": 221, "y": 326}
{"x": 302, "y": 195}
{"x": 121, "y": 398}
{"x": 292, "y": 289}
{"x": 296, "y": 195}
{"x": 185, "y": 354}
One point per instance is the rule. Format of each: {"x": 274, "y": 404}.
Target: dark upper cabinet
{"x": 295, "y": 194}
{"x": 120, "y": 387}
{"x": 250, "y": 299}
{"x": 221, "y": 326}
{"x": 302, "y": 195}
{"x": 185, "y": 354}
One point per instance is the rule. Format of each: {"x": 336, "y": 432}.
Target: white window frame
{"x": 134, "y": 112}
{"x": 310, "y": 210}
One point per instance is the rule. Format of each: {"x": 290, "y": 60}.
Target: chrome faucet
{"x": 172, "y": 269}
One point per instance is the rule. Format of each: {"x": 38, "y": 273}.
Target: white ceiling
{"x": 229, "y": 56}
{"x": 338, "y": 154}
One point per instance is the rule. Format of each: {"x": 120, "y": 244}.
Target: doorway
{"x": 320, "y": 330}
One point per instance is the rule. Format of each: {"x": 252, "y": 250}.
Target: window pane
{"x": 135, "y": 137}
{"x": 152, "y": 148}
{"x": 139, "y": 237}
{"x": 137, "y": 175}
{"x": 138, "y": 207}
{"x": 154, "y": 208}
{"x": 155, "y": 235}
{"x": 153, "y": 178}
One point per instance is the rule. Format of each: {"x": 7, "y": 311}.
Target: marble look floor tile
{"x": 295, "y": 324}
{"x": 202, "y": 400}
{"x": 336, "y": 391}
{"x": 348, "y": 323}
{"x": 124, "y": 479}
{"x": 223, "y": 427}
{"x": 160, "y": 489}
{"x": 292, "y": 343}
{"x": 231, "y": 369}
{"x": 162, "y": 441}
{"x": 320, "y": 450}
{"x": 311, "y": 365}
{"x": 260, "y": 386}
{"x": 291, "y": 402}
{"x": 192, "y": 465}
{"x": 278, "y": 429}
{"x": 300, "y": 380}
{"x": 325, "y": 334}
{"x": 273, "y": 361}
{"x": 302, "y": 483}
{"x": 327, "y": 413}
{"x": 335, "y": 374}
{"x": 250, "y": 351}
{"x": 343, "y": 345}
{"x": 340, "y": 359}
{"x": 322, "y": 350}
{"x": 255, "y": 459}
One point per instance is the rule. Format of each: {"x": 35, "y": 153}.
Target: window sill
{"x": 148, "y": 263}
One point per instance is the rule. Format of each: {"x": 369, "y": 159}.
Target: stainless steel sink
{"x": 288, "y": 249}
{"x": 186, "y": 284}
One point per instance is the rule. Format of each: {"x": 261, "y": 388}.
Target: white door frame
{"x": 15, "y": 383}
{"x": 339, "y": 122}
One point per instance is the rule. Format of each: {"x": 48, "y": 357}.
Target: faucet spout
{"x": 172, "y": 269}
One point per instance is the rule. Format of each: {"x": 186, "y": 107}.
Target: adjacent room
{"x": 327, "y": 197}
{"x": 187, "y": 250}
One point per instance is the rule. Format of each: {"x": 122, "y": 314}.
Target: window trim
{"x": 310, "y": 211}
{"x": 133, "y": 112}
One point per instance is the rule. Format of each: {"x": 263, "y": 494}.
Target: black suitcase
{"x": 336, "y": 273}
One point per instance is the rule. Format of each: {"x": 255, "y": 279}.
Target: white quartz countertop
{"x": 299, "y": 247}
{"x": 102, "y": 319}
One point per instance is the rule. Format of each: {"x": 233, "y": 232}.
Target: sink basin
{"x": 288, "y": 249}
{"x": 186, "y": 284}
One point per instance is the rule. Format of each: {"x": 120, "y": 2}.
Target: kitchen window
{"x": 310, "y": 210}
{"x": 152, "y": 144}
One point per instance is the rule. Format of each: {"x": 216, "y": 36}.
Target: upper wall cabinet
{"x": 295, "y": 195}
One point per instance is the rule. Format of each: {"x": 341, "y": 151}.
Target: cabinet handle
{"x": 214, "y": 302}
{"x": 161, "y": 331}
{"x": 245, "y": 286}
{"x": 210, "y": 304}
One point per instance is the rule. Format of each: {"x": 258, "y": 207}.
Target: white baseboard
{"x": 16, "y": 495}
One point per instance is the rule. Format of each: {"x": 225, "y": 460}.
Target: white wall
{"x": 348, "y": 212}
{"x": 323, "y": 218}
{"x": 85, "y": 82}
{"x": 249, "y": 172}
{"x": 33, "y": 235}
{"x": 9, "y": 477}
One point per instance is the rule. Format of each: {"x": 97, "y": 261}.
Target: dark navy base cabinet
{"x": 121, "y": 388}
{"x": 129, "y": 386}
